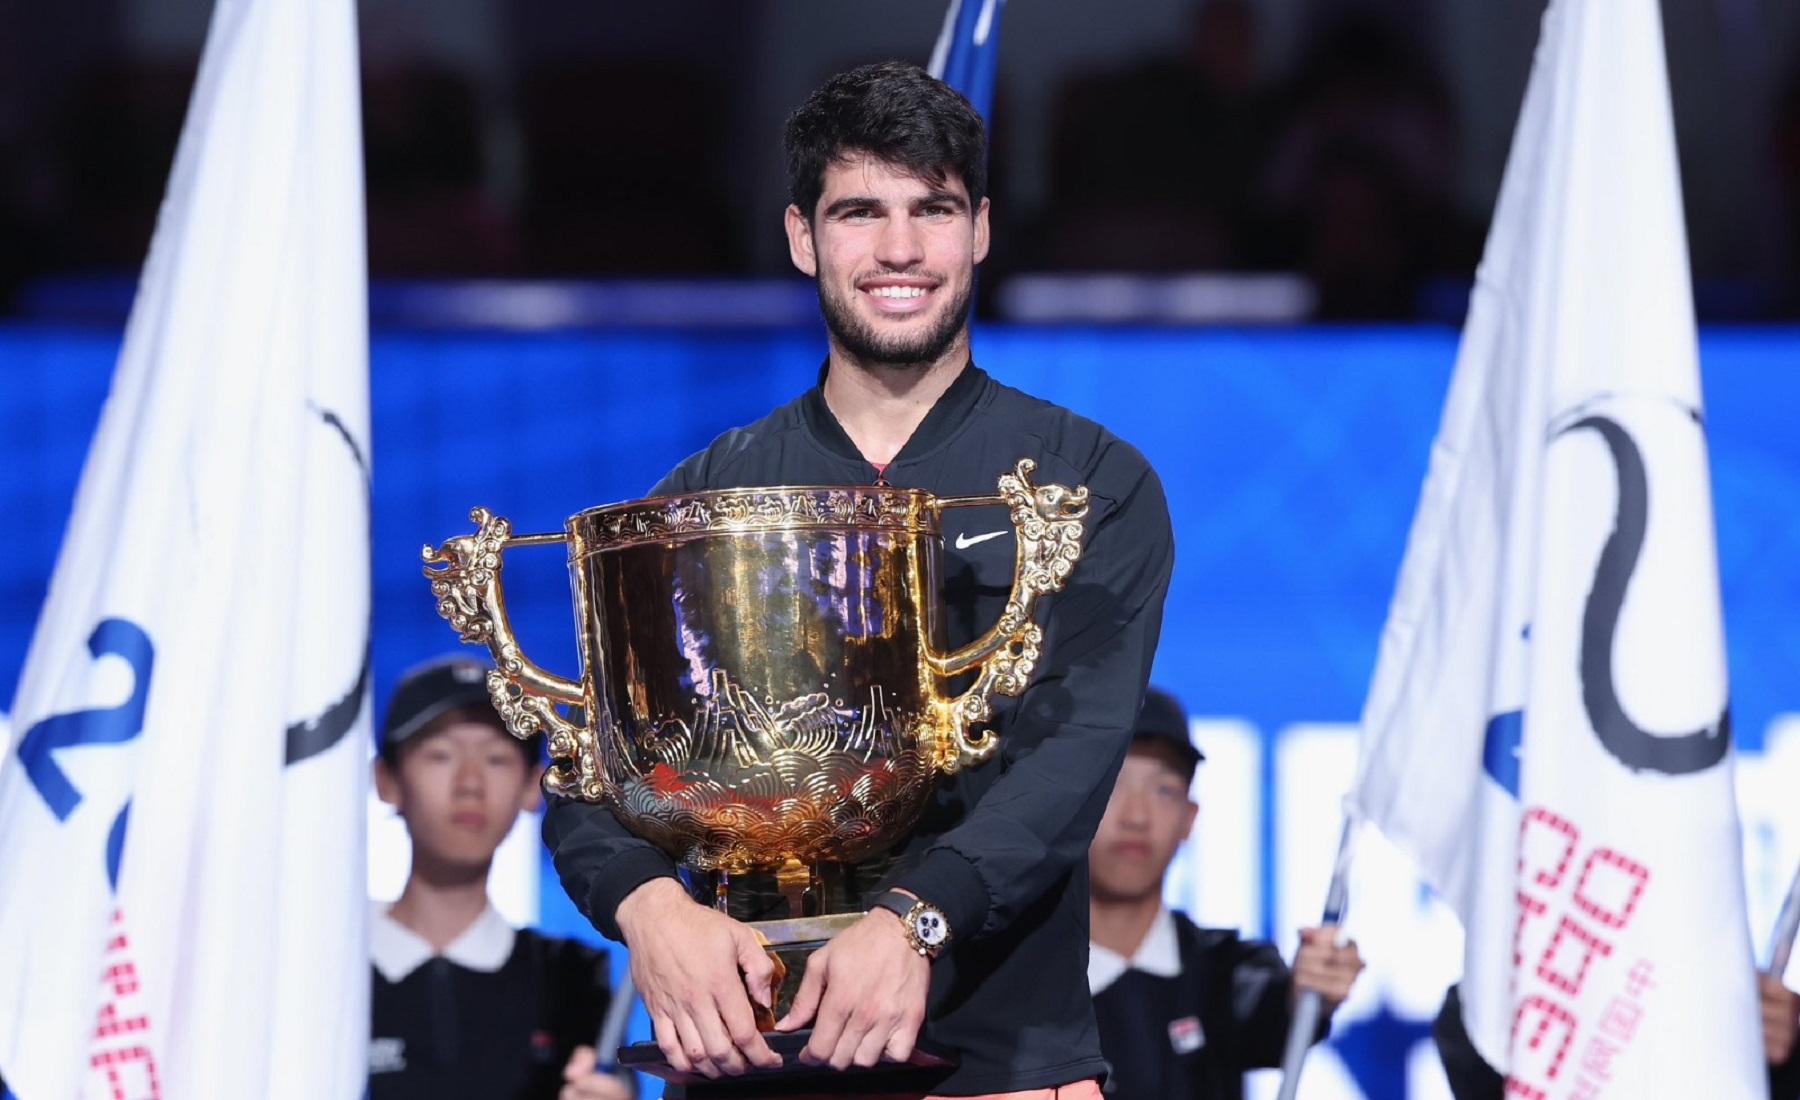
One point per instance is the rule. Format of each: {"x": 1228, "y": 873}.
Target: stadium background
{"x": 1292, "y": 459}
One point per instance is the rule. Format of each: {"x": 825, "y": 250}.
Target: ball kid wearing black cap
{"x": 463, "y": 1005}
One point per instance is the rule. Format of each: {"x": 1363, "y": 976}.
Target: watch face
{"x": 930, "y": 927}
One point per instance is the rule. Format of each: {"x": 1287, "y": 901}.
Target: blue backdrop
{"x": 1292, "y": 459}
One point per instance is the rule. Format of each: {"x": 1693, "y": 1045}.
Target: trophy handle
{"x": 465, "y": 578}
{"x": 1047, "y": 520}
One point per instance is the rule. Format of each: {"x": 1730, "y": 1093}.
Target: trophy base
{"x": 791, "y": 943}
{"x": 929, "y": 1063}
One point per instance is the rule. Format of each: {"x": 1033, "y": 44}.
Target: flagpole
{"x": 1309, "y": 1006}
{"x": 1786, "y": 926}
{"x": 612, "y": 1028}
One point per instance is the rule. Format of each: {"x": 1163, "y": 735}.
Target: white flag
{"x": 1547, "y": 732}
{"x": 182, "y": 799}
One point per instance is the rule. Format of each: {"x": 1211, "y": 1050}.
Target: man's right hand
{"x": 1326, "y": 967}
{"x": 697, "y": 969}
{"x": 1780, "y": 1018}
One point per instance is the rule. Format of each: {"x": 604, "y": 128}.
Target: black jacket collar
{"x": 944, "y": 418}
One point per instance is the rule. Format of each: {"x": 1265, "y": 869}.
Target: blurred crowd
{"x": 1343, "y": 171}
{"x": 1343, "y": 168}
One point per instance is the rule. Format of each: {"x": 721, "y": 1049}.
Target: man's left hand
{"x": 1324, "y": 966}
{"x": 867, "y": 989}
{"x": 582, "y": 1082}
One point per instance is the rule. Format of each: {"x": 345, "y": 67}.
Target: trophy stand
{"x": 827, "y": 898}
{"x": 822, "y": 901}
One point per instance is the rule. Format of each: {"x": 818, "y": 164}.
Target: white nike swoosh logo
{"x": 963, "y": 542}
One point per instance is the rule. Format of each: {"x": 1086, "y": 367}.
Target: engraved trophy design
{"x": 763, "y": 675}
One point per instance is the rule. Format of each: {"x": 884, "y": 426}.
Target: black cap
{"x": 435, "y": 688}
{"x": 1164, "y": 721}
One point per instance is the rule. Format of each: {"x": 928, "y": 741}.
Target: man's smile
{"x": 899, "y": 295}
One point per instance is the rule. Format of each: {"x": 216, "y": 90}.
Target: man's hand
{"x": 697, "y": 969}
{"x": 867, "y": 987}
{"x": 1325, "y": 967}
{"x": 1780, "y": 1017}
{"x": 582, "y": 1082}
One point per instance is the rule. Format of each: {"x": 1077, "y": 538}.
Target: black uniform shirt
{"x": 493, "y": 1018}
{"x": 1187, "y": 1027}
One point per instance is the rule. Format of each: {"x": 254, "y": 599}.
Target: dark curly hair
{"x": 894, "y": 111}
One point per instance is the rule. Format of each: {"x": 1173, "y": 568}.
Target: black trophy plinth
{"x": 929, "y": 1064}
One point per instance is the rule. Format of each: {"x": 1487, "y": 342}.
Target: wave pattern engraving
{"x": 747, "y": 784}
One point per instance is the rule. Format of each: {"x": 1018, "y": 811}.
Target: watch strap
{"x": 895, "y": 902}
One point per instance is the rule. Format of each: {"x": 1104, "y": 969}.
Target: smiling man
{"x": 974, "y": 934}
{"x": 891, "y": 253}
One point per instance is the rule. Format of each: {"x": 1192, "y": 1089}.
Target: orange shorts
{"x": 1076, "y": 1090}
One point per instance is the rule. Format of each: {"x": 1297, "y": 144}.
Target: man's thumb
{"x": 581, "y": 1063}
{"x": 758, "y": 968}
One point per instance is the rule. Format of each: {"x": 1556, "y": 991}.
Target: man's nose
{"x": 1134, "y": 809}
{"x": 900, "y": 245}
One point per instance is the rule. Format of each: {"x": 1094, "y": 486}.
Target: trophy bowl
{"x": 762, "y": 669}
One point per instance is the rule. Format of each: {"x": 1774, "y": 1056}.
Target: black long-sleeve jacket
{"x": 1002, "y": 848}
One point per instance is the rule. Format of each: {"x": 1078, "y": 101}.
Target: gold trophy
{"x": 763, "y": 684}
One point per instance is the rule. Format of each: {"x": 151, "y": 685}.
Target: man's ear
{"x": 531, "y": 800}
{"x": 802, "y": 249}
{"x": 387, "y": 784}
{"x": 1193, "y": 814}
{"x": 981, "y": 230}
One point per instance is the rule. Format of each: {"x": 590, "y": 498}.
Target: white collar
{"x": 398, "y": 951}
{"x": 1159, "y": 955}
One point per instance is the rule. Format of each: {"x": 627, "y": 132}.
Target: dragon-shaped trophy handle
{"x": 1048, "y": 522}
{"x": 465, "y": 578}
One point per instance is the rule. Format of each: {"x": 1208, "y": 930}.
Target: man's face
{"x": 1147, "y": 818}
{"x": 895, "y": 258}
{"x": 460, "y": 785}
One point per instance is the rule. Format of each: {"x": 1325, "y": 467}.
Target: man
{"x": 887, "y": 173}
{"x": 1184, "y": 1010}
{"x": 462, "y": 1004}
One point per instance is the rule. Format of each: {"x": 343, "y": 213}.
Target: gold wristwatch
{"x": 927, "y": 929}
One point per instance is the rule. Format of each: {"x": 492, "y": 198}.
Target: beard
{"x": 864, "y": 341}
